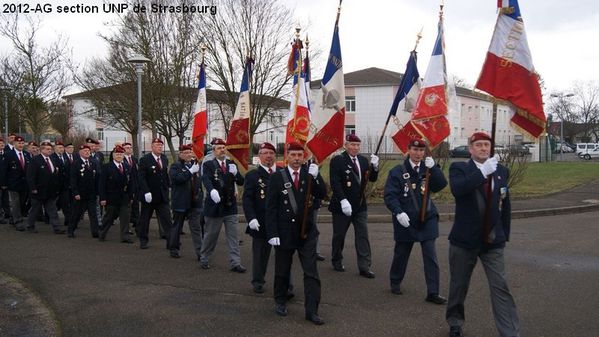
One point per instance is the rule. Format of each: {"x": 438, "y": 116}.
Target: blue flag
{"x": 410, "y": 77}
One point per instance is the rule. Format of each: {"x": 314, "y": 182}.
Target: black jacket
{"x": 16, "y": 176}
{"x": 133, "y": 169}
{"x": 114, "y": 186}
{"x": 281, "y": 220}
{"x": 254, "y": 199}
{"x": 346, "y": 184}
{"x": 39, "y": 178}
{"x": 214, "y": 178}
{"x": 186, "y": 190}
{"x": 84, "y": 180}
{"x": 152, "y": 179}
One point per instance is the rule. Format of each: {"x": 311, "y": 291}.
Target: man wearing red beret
{"x": 219, "y": 177}
{"x": 4, "y": 201}
{"x": 470, "y": 240}
{"x": 44, "y": 178}
{"x": 186, "y": 200}
{"x": 17, "y": 162}
{"x": 153, "y": 190}
{"x": 286, "y": 197}
{"x": 64, "y": 195}
{"x": 349, "y": 173}
{"x": 403, "y": 197}
{"x": 254, "y": 207}
{"x": 84, "y": 174}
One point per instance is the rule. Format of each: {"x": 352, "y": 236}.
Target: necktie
{"x": 223, "y": 168}
{"x": 296, "y": 179}
{"x": 21, "y": 160}
{"x": 269, "y": 170}
{"x": 86, "y": 164}
{"x": 159, "y": 164}
{"x": 130, "y": 161}
{"x": 70, "y": 159}
{"x": 48, "y": 164}
{"x": 121, "y": 168}
{"x": 416, "y": 168}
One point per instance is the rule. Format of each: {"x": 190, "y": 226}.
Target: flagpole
{"x": 378, "y": 146}
{"x": 250, "y": 86}
{"x": 427, "y": 172}
{"x": 489, "y": 191}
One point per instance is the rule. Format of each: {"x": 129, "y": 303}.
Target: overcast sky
{"x": 380, "y": 33}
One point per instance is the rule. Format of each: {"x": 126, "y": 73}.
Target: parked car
{"x": 563, "y": 147}
{"x": 587, "y": 150}
{"x": 519, "y": 150}
{"x": 500, "y": 149}
{"x": 460, "y": 152}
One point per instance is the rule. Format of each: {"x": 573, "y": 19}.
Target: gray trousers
{"x": 461, "y": 264}
{"x": 211, "y": 231}
{"x": 340, "y": 227}
{"x": 122, "y": 212}
{"x": 260, "y": 256}
{"x": 194, "y": 215}
{"x": 50, "y": 206}
{"x": 429, "y": 257}
{"x": 18, "y": 205}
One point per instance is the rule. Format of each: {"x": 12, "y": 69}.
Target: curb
{"x": 520, "y": 214}
{"x": 23, "y": 312}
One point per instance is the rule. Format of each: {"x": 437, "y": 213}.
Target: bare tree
{"x": 62, "y": 121}
{"x": 38, "y": 76}
{"x": 578, "y": 108}
{"x": 258, "y": 28}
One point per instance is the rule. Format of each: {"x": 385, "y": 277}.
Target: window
{"x": 100, "y": 132}
{"x": 350, "y": 129}
{"x": 350, "y": 103}
{"x": 100, "y": 112}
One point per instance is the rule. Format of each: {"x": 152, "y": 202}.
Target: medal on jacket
{"x": 406, "y": 189}
{"x": 262, "y": 196}
{"x": 348, "y": 183}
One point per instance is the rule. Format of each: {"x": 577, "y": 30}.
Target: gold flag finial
{"x": 418, "y": 37}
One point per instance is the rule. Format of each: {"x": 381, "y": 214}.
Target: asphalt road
{"x": 113, "y": 289}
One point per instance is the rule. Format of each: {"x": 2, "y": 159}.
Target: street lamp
{"x": 561, "y": 97}
{"x": 138, "y": 61}
{"x": 6, "y": 90}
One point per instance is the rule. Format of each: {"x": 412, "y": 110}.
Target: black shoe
{"x": 71, "y": 235}
{"x": 59, "y": 231}
{"x": 239, "y": 269}
{"x": 163, "y": 237}
{"x": 204, "y": 265}
{"x": 127, "y": 241}
{"x": 320, "y": 257}
{"x": 3, "y": 221}
{"x": 290, "y": 295}
{"x": 396, "y": 290}
{"x": 143, "y": 245}
{"x": 367, "y": 273}
{"x": 31, "y": 230}
{"x": 130, "y": 232}
{"x": 339, "y": 267}
{"x": 182, "y": 233}
{"x": 435, "y": 298}
{"x": 95, "y": 235}
{"x": 281, "y": 309}
{"x": 21, "y": 229}
{"x": 456, "y": 331}
{"x": 259, "y": 289}
{"x": 314, "y": 318}
{"x": 175, "y": 254}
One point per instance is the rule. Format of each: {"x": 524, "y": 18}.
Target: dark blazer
{"x": 16, "y": 176}
{"x": 114, "y": 186}
{"x": 346, "y": 184}
{"x": 254, "y": 199}
{"x": 152, "y": 179}
{"x": 186, "y": 190}
{"x": 133, "y": 169}
{"x": 62, "y": 163}
{"x": 99, "y": 156}
{"x": 84, "y": 180}
{"x": 3, "y": 167}
{"x": 214, "y": 178}
{"x": 39, "y": 178}
{"x": 466, "y": 182}
{"x": 403, "y": 194}
{"x": 281, "y": 220}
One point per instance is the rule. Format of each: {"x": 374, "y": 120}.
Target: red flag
{"x": 238, "y": 138}
{"x": 508, "y": 72}
{"x": 298, "y": 121}
{"x": 200, "y": 118}
{"x": 404, "y": 135}
{"x": 435, "y": 129}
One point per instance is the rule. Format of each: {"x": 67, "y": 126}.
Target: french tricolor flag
{"x": 238, "y": 138}
{"x": 330, "y": 123}
{"x": 298, "y": 120}
{"x": 508, "y": 72}
{"x": 200, "y": 117}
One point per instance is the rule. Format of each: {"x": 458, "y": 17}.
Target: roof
{"x": 213, "y": 96}
{"x": 368, "y": 77}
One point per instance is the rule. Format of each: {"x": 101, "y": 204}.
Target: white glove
{"x": 214, "y": 196}
{"x": 148, "y": 197}
{"x": 429, "y": 162}
{"x": 233, "y": 169}
{"x": 346, "y": 207}
{"x": 195, "y": 168}
{"x": 489, "y": 166}
{"x": 274, "y": 241}
{"x": 374, "y": 160}
{"x": 403, "y": 219}
{"x": 313, "y": 170}
{"x": 254, "y": 225}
